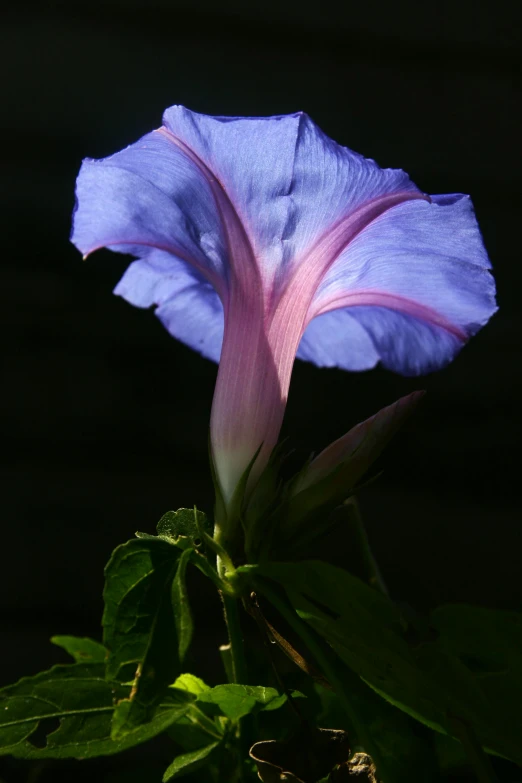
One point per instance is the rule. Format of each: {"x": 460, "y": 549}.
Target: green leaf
{"x": 139, "y": 626}
{"x": 236, "y": 701}
{"x": 413, "y": 668}
{"x": 488, "y": 643}
{"x": 352, "y": 693}
{"x": 181, "y": 606}
{"x": 66, "y": 712}
{"x": 190, "y": 734}
{"x": 182, "y": 528}
{"x": 189, "y": 762}
{"x": 82, "y": 649}
{"x": 191, "y": 684}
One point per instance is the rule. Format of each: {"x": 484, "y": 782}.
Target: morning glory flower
{"x": 259, "y": 239}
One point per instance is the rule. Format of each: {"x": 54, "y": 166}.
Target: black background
{"x": 105, "y": 416}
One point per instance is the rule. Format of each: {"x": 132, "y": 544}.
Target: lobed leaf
{"x": 139, "y": 627}
{"x": 183, "y": 527}
{"x": 66, "y": 712}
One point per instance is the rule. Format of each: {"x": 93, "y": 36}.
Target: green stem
{"x": 477, "y": 757}
{"x": 237, "y": 668}
{"x": 328, "y": 668}
{"x": 374, "y": 575}
{"x": 235, "y": 635}
{"x": 205, "y": 723}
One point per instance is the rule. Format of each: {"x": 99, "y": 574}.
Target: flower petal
{"x": 337, "y": 339}
{"x": 150, "y": 195}
{"x": 252, "y": 160}
{"x": 187, "y": 305}
{"x": 288, "y": 182}
{"x": 417, "y": 280}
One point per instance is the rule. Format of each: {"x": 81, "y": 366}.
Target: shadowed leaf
{"x": 236, "y": 701}
{"x": 80, "y": 699}
{"x": 83, "y": 650}
{"x": 139, "y": 626}
{"x": 414, "y": 668}
{"x": 181, "y": 606}
{"x": 189, "y": 762}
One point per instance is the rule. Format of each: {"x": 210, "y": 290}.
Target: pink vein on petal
{"x": 295, "y": 303}
{"x": 238, "y": 243}
{"x": 175, "y": 251}
{"x": 400, "y": 304}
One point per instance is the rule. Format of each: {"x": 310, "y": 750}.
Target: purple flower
{"x": 259, "y": 239}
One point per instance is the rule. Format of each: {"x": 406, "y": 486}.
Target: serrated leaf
{"x": 72, "y": 706}
{"x": 236, "y": 701}
{"x": 139, "y": 626}
{"x": 182, "y": 527}
{"x": 189, "y": 762}
{"x": 82, "y": 649}
{"x": 181, "y": 606}
{"x": 419, "y": 674}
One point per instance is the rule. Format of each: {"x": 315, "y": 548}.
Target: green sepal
{"x": 81, "y": 701}
{"x": 229, "y": 516}
{"x": 82, "y": 649}
{"x": 259, "y": 515}
{"x": 181, "y": 606}
{"x": 139, "y": 627}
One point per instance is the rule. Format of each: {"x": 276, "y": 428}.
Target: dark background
{"x": 105, "y": 416}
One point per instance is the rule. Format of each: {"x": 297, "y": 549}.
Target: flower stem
{"x": 231, "y": 612}
{"x": 477, "y": 757}
{"x": 374, "y": 575}
{"x": 235, "y": 663}
{"x": 238, "y": 670}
